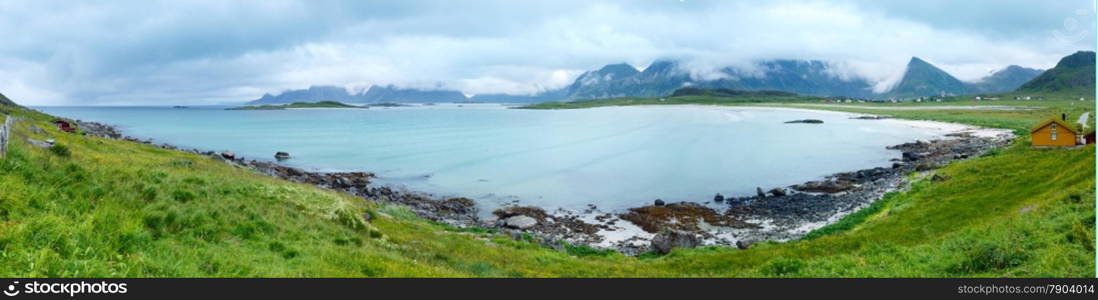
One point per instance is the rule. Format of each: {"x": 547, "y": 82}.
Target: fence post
{"x": 4, "y": 135}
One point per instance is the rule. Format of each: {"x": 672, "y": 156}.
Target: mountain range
{"x": 663, "y": 77}
{"x": 806, "y": 77}
{"x": 924, "y": 79}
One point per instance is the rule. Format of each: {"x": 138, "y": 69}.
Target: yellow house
{"x": 1053, "y": 133}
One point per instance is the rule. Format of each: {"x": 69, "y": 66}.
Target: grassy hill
{"x": 94, "y": 207}
{"x": 1074, "y": 75}
{"x": 4, "y": 101}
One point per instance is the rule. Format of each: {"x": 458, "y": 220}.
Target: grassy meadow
{"x": 93, "y": 207}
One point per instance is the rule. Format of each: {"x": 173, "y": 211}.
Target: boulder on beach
{"x": 824, "y": 186}
{"x": 659, "y": 202}
{"x": 718, "y": 198}
{"x": 228, "y": 154}
{"x": 520, "y": 222}
{"x": 459, "y": 205}
{"x": 805, "y": 121}
{"x": 345, "y": 180}
{"x": 680, "y": 216}
{"x": 669, "y": 239}
{"x": 759, "y": 192}
{"x": 911, "y": 156}
{"x": 511, "y": 211}
{"x": 744, "y": 244}
{"x": 295, "y": 172}
{"x": 778, "y": 192}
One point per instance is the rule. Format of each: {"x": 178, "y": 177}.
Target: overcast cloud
{"x": 194, "y": 52}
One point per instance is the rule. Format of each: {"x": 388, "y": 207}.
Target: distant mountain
{"x": 1073, "y": 74}
{"x": 382, "y": 94}
{"x": 607, "y": 73}
{"x": 1005, "y": 80}
{"x": 376, "y": 94}
{"x": 807, "y": 77}
{"x": 660, "y": 78}
{"x": 923, "y": 79}
{"x": 622, "y": 80}
{"x": 550, "y": 95}
{"x": 313, "y": 94}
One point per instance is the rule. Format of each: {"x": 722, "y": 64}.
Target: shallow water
{"x": 615, "y": 158}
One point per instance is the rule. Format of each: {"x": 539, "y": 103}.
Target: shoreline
{"x": 778, "y": 214}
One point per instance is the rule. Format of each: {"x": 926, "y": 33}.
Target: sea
{"x": 612, "y": 158}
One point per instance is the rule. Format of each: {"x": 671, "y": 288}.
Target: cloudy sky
{"x": 195, "y": 52}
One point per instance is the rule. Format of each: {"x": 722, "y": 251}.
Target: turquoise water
{"x": 614, "y": 158}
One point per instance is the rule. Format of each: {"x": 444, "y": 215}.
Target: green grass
{"x": 1029, "y": 113}
{"x": 854, "y": 219}
{"x": 121, "y": 209}
{"x": 584, "y": 251}
{"x": 1032, "y": 112}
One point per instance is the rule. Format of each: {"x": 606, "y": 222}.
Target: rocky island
{"x": 321, "y": 104}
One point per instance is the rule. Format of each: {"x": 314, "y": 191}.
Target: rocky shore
{"x": 776, "y": 214}
{"x": 781, "y": 213}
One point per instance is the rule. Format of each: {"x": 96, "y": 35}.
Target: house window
{"x": 1053, "y": 136}
{"x": 1053, "y": 126}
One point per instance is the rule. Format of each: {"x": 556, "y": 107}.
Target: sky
{"x": 221, "y": 52}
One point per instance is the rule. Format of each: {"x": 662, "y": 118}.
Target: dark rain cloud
{"x": 150, "y": 52}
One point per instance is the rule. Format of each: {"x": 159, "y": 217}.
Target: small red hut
{"x": 64, "y": 126}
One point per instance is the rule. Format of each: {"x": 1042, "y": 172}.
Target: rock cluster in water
{"x": 805, "y": 121}
{"x": 280, "y": 156}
